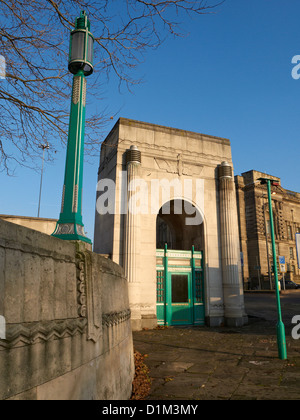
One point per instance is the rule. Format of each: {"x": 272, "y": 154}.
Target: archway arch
{"x": 180, "y": 264}
{"x": 179, "y": 224}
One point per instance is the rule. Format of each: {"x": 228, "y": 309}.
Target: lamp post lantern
{"x": 281, "y": 342}
{"x": 70, "y": 225}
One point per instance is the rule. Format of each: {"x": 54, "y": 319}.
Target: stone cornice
{"x": 170, "y": 130}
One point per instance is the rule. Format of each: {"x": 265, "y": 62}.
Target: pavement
{"x": 201, "y": 363}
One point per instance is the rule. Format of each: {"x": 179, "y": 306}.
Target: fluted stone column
{"x": 230, "y": 250}
{"x": 133, "y": 162}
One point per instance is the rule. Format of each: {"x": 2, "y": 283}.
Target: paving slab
{"x": 201, "y": 363}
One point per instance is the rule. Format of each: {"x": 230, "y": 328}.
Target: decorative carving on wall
{"x": 115, "y": 318}
{"x": 280, "y": 220}
{"x": 31, "y": 333}
{"x": 89, "y": 294}
{"x": 90, "y": 320}
{"x": 179, "y": 166}
{"x": 18, "y": 335}
{"x": 81, "y": 286}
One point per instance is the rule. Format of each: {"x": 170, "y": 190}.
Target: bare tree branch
{"x": 34, "y": 39}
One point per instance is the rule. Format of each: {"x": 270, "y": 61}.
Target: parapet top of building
{"x": 9, "y": 216}
{"x": 251, "y": 179}
{"x": 160, "y": 128}
{"x": 40, "y": 224}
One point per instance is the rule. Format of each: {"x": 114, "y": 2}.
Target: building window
{"x": 291, "y": 253}
{"x": 271, "y": 249}
{"x": 268, "y": 227}
{"x": 289, "y": 232}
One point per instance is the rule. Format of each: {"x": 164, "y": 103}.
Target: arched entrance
{"x": 179, "y": 265}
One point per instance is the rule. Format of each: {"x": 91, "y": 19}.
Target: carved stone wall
{"x": 67, "y": 320}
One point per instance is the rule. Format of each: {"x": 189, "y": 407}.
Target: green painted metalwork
{"x": 160, "y": 297}
{"x": 81, "y": 51}
{"x": 168, "y": 313}
{"x": 160, "y": 287}
{"x": 70, "y": 225}
{"x": 281, "y": 340}
{"x": 180, "y": 287}
{"x": 198, "y": 281}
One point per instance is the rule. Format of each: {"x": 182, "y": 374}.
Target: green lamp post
{"x": 281, "y": 341}
{"x": 70, "y": 225}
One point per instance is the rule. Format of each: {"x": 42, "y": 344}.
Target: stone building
{"x": 254, "y": 224}
{"x": 166, "y": 212}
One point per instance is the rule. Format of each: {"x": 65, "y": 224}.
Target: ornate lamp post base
{"x": 70, "y": 232}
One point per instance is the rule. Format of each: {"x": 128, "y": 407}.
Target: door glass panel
{"x": 180, "y": 293}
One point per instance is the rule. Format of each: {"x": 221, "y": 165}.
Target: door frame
{"x": 188, "y": 306}
{"x": 168, "y": 263}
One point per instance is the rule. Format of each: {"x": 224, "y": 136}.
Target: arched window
{"x": 172, "y": 227}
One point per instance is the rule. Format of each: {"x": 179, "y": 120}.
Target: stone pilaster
{"x": 230, "y": 249}
{"x": 133, "y": 162}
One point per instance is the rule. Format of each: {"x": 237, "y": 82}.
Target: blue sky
{"x": 231, "y": 77}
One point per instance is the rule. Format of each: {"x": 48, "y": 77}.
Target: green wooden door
{"x": 180, "y": 287}
{"x": 181, "y": 299}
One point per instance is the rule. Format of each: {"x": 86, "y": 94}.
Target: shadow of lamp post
{"x": 70, "y": 225}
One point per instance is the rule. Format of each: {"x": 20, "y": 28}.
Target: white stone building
{"x": 166, "y": 212}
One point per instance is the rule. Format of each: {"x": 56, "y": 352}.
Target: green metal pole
{"x": 70, "y": 225}
{"x": 167, "y": 289}
{"x": 281, "y": 342}
{"x": 193, "y": 282}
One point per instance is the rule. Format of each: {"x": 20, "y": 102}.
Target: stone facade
{"x": 66, "y": 332}
{"x": 189, "y": 164}
{"x": 254, "y": 228}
